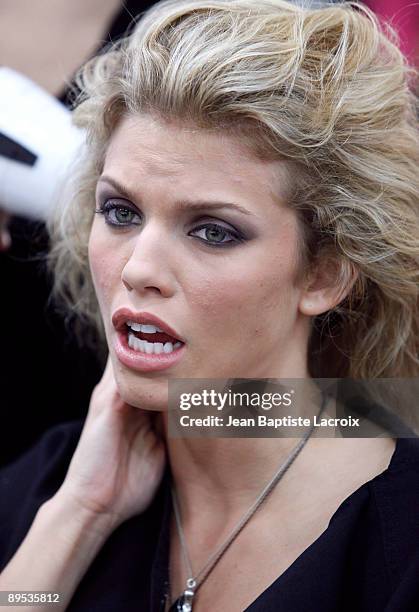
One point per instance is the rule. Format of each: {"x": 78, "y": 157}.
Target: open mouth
{"x": 149, "y": 339}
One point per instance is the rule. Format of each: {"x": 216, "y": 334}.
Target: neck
{"x": 225, "y": 474}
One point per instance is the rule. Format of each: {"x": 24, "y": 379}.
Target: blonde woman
{"x": 247, "y": 207}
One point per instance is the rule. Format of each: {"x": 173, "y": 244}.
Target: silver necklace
{"x": 184, "y": 602}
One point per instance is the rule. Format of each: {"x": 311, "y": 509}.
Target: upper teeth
{"x": 146, "y": 329}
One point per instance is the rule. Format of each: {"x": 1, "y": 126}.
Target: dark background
{"x": 46, "y": 378}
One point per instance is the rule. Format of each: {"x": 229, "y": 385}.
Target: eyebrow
{"x": 180, "y": 205}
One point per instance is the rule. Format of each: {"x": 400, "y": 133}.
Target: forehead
{"x": 143, "y": 147}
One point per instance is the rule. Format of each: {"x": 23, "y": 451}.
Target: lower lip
{"x": 145, "y": 362}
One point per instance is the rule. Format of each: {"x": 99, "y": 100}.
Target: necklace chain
{"x": 193, "y": 583}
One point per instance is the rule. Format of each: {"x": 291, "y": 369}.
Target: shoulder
{"x": 406, "y": 453}
{"x": 396, "y": 490}
{"x": 400, "y": 481}
{"x": 34, "y": 477}
{"x": 396, "y": 499}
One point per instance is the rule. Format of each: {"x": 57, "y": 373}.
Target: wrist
{"x": 83, "y": 518}
{"x": 64, "y": 538}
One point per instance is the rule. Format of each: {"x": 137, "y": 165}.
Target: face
{"x": 193, "y": 229}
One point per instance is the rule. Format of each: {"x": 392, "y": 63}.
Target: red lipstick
{"x": 140, "y": 360}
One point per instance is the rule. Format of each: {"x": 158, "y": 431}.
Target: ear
{"x": 327, "y": 285}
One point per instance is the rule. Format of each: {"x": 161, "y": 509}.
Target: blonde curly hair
{"x": 326, "y": 89}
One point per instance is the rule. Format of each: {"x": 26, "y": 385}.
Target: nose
{"x": 148, "y": 268}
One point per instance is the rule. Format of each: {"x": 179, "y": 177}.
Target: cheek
{"x": 105, "y": 267}
{"x": 243, "y": 294}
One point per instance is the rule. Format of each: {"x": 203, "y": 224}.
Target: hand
{"x": 119, "y": 461}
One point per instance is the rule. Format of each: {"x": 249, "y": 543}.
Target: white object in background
{"x": 35, "y": 120}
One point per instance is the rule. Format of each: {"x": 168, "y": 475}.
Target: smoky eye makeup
{"x": 118, "y": 213}
{"x": 211, "y": 231}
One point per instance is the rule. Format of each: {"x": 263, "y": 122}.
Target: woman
{"x": 249, "y": 196}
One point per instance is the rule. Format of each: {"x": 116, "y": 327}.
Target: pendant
{"x": 184, "y": 602}
{"x": 180, "y": 605}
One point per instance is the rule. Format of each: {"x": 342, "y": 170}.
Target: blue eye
{"x": 118, "y": 215}
{"x": 214, "y": 235}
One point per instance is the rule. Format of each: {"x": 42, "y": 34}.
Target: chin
{"x": 146, "y": 394}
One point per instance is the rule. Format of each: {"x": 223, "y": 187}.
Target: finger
{"x": 5, "y": 240}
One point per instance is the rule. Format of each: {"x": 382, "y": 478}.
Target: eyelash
{"x": 107, "y": 207}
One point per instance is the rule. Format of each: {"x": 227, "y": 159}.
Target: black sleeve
{"x": 31, "y": 480}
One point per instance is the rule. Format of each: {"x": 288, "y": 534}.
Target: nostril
{"x": 126, "y": 285}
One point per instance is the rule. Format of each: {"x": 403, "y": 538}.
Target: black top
{"x": 367, "y": 560}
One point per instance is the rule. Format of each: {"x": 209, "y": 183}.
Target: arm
{"x": 113, "y": 475}
{"x": 57, "y": 551}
